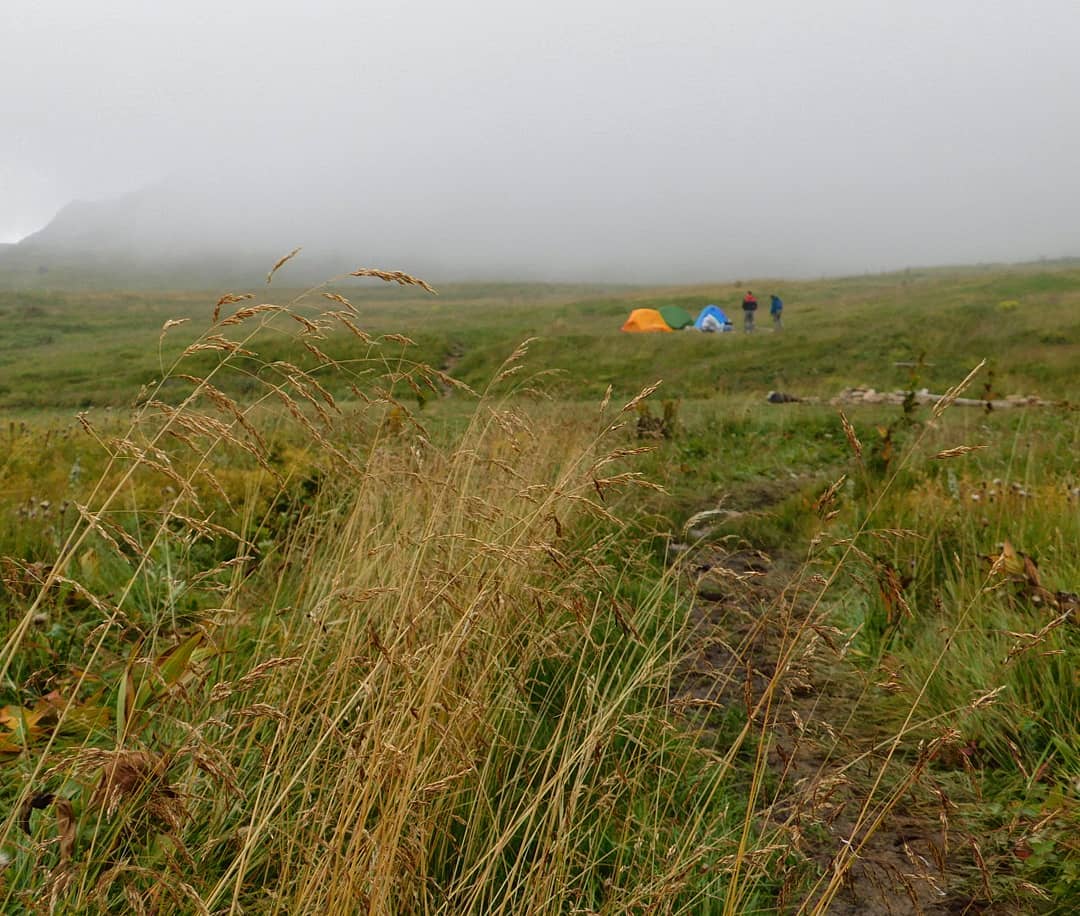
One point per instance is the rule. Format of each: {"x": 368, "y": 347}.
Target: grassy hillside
{"x": 315, "y": 619}
{"x": 81, "y": 349}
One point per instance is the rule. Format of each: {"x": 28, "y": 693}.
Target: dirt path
{"x": 449, "y": 363}
{"x": 820, "y": 723}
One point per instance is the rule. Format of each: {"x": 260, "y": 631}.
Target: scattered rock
{"x": 863, "y": 395}
{"x": 675, "y": 550}
{"x": 713, "y": 588}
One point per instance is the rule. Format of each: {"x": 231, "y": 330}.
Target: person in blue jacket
{"x": 776, "y": 309}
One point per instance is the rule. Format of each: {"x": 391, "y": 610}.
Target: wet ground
{"x": 895, "y": 854}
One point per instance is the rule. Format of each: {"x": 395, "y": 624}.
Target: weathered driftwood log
{"x": 924, "y": 396}
{"x": 860, "y": 395}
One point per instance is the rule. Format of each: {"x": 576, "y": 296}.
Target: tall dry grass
{"x": 337, "y": 657}
{"x": 436, "y": 683}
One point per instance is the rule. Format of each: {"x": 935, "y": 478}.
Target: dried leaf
{"x": 31, "y": 803}
{"x": 65, "y": 829}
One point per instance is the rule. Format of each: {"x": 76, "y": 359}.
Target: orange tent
{"x": 641, "y": 320}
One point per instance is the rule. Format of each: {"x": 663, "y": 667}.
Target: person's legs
{"x": 778, "y": 324}
{"x": 748, "y": 321}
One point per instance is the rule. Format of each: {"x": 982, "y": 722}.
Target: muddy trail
{"x": 764, "y": 647}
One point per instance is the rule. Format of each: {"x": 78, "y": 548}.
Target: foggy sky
{"x": 562, "y": 139}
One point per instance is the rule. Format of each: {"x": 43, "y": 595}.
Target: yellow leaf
{"x": 88, "y": 562}
{"x": 1009, "y": 561}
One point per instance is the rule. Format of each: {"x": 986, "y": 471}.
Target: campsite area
{"x": 366, "y": 599}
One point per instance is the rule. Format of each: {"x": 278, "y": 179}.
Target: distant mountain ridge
{"x": 217, "y": 235}
{"x": 88, "y": 226}
{"x": 156, "y": 237}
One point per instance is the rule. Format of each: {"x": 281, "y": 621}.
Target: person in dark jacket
{"x": 749, "y": 306}
{"x": 776, "y": 309}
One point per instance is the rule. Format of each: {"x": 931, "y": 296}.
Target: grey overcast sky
{"x": 649, "y": 140}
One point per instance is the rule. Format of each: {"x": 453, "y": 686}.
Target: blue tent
{"x": 712, "y": 318}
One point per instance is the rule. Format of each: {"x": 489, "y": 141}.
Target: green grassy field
{"x": 309, "y": 618}
{"x": 79, "y": 349}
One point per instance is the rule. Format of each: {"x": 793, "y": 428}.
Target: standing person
{"x": 749, "y": 306}
{"x": 776, "y": 309}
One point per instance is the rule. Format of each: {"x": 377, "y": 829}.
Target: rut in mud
{"x": 867, "y": 843}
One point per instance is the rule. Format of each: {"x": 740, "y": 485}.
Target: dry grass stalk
{"x": 347, "y": 321}
{"x": 103, "y": 607}
{"x": 171, "y": 323}
{"x": 852, "y": 438}
{"x": 335, "y": 297}
{"x": 824, "y": 502}
{"x": 509, "y": 366}
{"x": 640, "y": 396}
{"x": 261, "y": 671}
{"x": 619, "y": 454}
{"x": 958, "y": 451}
{"x": 215, "y": 342}
{"x": 228, "y": 405}
{"x": 280, "y": 263}
{"x": 984, "y": 872}
{"x": 214, "y": 764}
{"x": 1027, "y": 641}
{"x": 297, "y": 414}
{"x": 310, "y": 327}
{"x": 318, "y": 354}
{"x": 953, "y": 393}
{"x": 261, "y": 711}
{"x": 452, "y": 382}
{"x": 988, "y": 698}
{"x": 393, "y": 276}
{"x": 250, "y": 311}
{"x": 109, "y": 532}
{"x": 228, "y": 299}
{"x": 301, "y": 380}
